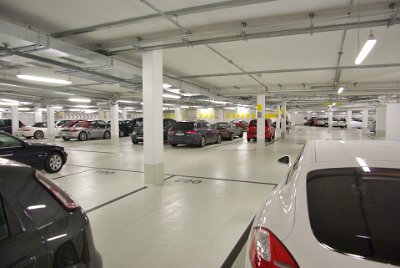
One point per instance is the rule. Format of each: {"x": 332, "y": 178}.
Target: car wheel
{"x": 174, "y": 144}
{"x": 202, "y": 141}
{"x": 248, "y": 139}
{"x": 241, "y": 135}
{"x": 107, "y": 135}
{"x": 65, "y": 138}
{"x": 269, "y": 139}
{"x": 326, "y": 125}
{"x": 219, "y": 139}
{"x": 121, "y": 133}
{"x": 54, "y": 162}
{"x": 231, "y": 136}
{"x": 82, "y": 136}
{"x": 38, "y": 134}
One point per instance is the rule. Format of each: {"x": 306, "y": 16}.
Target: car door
{"x": 93, "y": 130}
{"x": 15, "y": 149}
{"x": 210, "y": 133}
{"x": 21, "y": 245}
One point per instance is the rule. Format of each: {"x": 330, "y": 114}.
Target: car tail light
{"x": 191, "y": 132}
{"x": 74, "y": 130}
{"x": 267, "y": 251}
{"x": 65, "y": 199}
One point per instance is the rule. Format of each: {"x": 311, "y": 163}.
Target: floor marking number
{"x": 188, "y": 181}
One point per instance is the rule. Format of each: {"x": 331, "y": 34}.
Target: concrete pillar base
{"x": 154, "y": 174}
{"x": 380, "y": 133}
{"x": 114, "y": 140}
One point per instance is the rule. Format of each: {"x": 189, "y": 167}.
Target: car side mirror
{"x": 284, "y": 160}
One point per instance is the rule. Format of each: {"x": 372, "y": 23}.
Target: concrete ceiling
{"x": 301, "y": 51}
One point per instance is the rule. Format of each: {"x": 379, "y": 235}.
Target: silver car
{"x": 84, "y": 130}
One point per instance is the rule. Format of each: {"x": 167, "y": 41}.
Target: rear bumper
{"x": 191, "y": 140}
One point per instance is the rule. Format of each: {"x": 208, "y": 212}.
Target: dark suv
{"x": 193, "y": 133}
{"x": 6, "y": 125}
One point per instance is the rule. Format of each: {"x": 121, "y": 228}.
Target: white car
{"x": 338, "y": 207}
{"x": 355, "y": 123}
{"x": 37, "y": 130}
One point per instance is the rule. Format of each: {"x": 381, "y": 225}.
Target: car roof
{"x": 339, "y": 151}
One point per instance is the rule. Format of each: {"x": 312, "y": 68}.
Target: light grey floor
{"x": 195, "y": 219}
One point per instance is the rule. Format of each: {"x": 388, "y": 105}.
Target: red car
{"x": 240, "y": 123}
{"x": 269, "y": 130}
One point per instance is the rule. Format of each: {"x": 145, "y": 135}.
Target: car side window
{"x": 93, "y": 125}
{"x": 9, "y": 141}
{"x": 4, "y": 232}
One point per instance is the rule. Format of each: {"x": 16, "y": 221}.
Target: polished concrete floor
{"x": 196, "y": 218}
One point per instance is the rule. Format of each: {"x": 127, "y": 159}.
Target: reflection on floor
{"x": 195, "y": 219}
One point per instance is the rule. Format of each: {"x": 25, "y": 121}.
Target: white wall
{"x": 393, "y": 122}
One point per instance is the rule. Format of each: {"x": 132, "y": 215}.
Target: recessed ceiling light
{"x": 171, "y": 96}
{"x": 44, "y": 79}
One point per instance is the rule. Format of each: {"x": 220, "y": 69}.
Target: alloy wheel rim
{"x": 55, "y": 162}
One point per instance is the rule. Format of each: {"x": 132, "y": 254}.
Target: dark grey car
{"x": 228, "y": 130}
{"x": 193, "y": 133}
{"x": 40, "y": 224}
{"x": 137, "y": 134}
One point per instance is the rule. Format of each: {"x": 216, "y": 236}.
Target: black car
{"x": 40, "y": 224}
{"x": 6, "y": 125}
{"x": 38, "y": 155}
{"x": 137, "y": 134}
{"x": 124, "y": 128}
{"x": 193, "y": 133}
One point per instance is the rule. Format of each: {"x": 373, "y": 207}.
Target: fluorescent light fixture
{"x": 190, "y": 94}
{"x": 79, "y": 100}
{"x": 322, "y": 111}
{"x": 10, "y": 100}
{"x": 125, "y": 101}
{"x": 5, "y": 103}
{"x": 64, "y": 93}
{"x": 171, "y": 96}
{"x": 340, "y": 90}
{"x": 74, "y": 110}
{"x": 83, "y": 106}
{"x": 23, "y": 109}
{"x": 184, "y": 107}
{"x": 333, "y": 104}
{"x": 165, "y": 86}
{"x": 366, "y": 49}
{"x": 230, "y": 108}
{"x": 169, "y": 104}
{"x": 57, "y": 107}
{"x": 44, "y": 79}
{"x": 174, "y": 90}
{"x": 219, "y": 102}
{"x": 25, "y": 103}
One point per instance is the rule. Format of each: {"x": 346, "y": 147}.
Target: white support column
{"x": 178, "y": 114}
{"x": 124, "y": 114}
{"x": 153, "y": 117}
{"x": 381, "y": 121}
{"x": 283, "y": 125}
{"x": 330, "y": 120}
{"x": 293, "y": 120}
{"x": 393, "y": 122}
{"x": 260, "y": 122}
{"x": 51, "y": 129}
{"x": 15, "y": 119}
{"x": 348, "y": 119}
{"x": 114, "y": 123}
{"x": 101, "y": 114}
{"x": 365, "y": 119}
{"x": 38, "y": 115}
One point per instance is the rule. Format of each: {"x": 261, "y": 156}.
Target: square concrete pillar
{"x": 114, "y": 123}
{"x": 51, "y": 128}
{"x": 393, "y": 122}
{"x": 381, "y": 121}
{"x": 15, "y": 119}
{"x": 260, "y": 114}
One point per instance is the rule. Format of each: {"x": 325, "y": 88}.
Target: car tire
{"x": 66, "y": 256}
{"x": 219, "y": 139}
{"x": 65, "y": 138}
{"x": 248, "y": 139}
{"x": 241, "y": 135}
{"x": 231, "y": 137}
{"x": 54, "y": 162}
{"x": 38, "y": 135}
{"x": 202, "y": 141}
{"x": 107, "y": 135}
{"x": 174, "y": 144}
{"x": 82, "y": 136}
{"x": 122, "y": 133}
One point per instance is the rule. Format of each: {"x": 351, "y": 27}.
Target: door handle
{"x": 28, "y": 262}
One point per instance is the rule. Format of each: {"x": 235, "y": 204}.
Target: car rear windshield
{"x": 221, "y": 125}
{"x": 357, "y": 212}
{"x": 183, "y": 126}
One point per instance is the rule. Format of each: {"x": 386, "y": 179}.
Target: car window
{"x": 253, "y": 123}
{"x": 93, "y": 125}
{"x": 7, "y": 141}
{"x": 183, "y": 126}
{"x": 356, "y": 212}
{"x": 4, "y": 232}
{"x": 101, "y": 124}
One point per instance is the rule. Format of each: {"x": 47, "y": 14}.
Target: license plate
{"x": 179, "y": 134}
